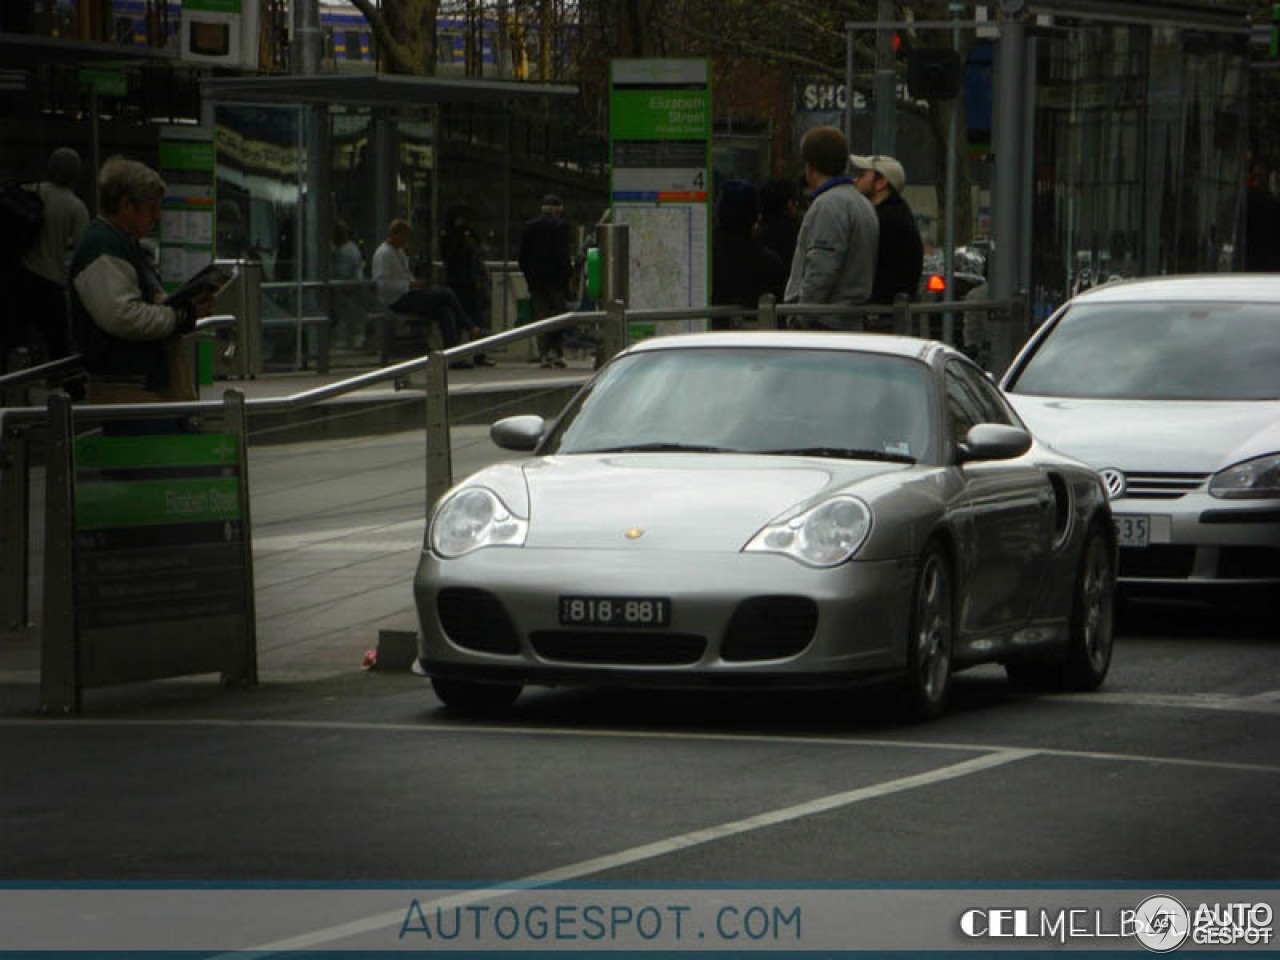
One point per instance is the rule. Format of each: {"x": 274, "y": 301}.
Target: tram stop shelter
{"x": 297, "y": 154}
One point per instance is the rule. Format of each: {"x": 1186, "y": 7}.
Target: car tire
{"x": 1092, "y": 632}
{"x": 930, "y": 639}
{"x": 475, "y": 699}
{"x": 1083, "y": 664}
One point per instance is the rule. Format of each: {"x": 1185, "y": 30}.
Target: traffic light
{"x": 933, "y": 73}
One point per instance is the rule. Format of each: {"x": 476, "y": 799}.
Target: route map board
{"x": 660, "y": 170}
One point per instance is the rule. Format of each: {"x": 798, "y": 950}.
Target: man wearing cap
{"x": 548, "y": 267}
{"x": 880, "y": 179}
{"x": 835, "y": 257}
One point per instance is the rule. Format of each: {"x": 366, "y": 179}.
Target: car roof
{"x": 1237, "y": 287}
{"x": 889, "y": 344}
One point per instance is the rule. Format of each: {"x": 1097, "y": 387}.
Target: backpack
{"x": 21, "y": 217}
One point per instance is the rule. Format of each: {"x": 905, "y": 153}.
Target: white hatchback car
{"x": 1170, "y": 387}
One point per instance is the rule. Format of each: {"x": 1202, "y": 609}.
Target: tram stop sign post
{"x": 149, "y": 568}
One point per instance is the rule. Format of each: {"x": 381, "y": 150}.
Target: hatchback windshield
{"x": 748, "y": 400}
{"x": 1159, "y": 351}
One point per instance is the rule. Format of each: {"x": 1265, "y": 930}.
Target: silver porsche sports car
{"x": 1171, "y": 388}
{"x": 769, "y": 510}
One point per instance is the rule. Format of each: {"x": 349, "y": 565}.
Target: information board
{"x": 660, "y": 163}
{"x": 187, "y": 163}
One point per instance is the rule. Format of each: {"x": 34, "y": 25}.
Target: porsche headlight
{"x": 475, "y": 518}
{"x": 823, "y": 536}
{"x": 1252, "y": 480}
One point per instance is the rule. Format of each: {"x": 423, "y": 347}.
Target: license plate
{"x": 615, "y": 611}
{"x": 1132, "y": 530}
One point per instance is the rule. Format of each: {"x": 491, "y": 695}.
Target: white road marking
{"x": 649, "y": 851}
{"x": 614, "y": 734}
{"x": 1268, "y": 702}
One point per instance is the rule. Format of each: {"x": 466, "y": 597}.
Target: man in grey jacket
{"x": 835, "y": 258}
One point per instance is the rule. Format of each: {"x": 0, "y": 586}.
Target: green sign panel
{"x": 145, "y": 481}
{"x": 660, "y": 114}
{"x": 103, "y": 506}
{"x": 187, "y": 155}
{"x": 186, "y": 450}
{"x": 107, "y": 83}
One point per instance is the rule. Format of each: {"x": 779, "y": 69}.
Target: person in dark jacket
{"x": 465, "y": 273}
{"x": 547, "y": 266}
{"x": 130, "y": 340}
{"x": 880, "y": 179}
{"x": 779, "y": 218}
{"x": 741, "y": 267}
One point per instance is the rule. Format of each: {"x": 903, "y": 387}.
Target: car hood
{"x": 1141, "y": 435}
{"x": 677, "y": 501}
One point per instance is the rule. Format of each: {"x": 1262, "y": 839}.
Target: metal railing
{"x": 16, "y": 423}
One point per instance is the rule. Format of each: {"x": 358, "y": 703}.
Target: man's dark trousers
{"x": 439, "y": 306}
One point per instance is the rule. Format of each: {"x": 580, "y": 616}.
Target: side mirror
{"x": 518, "y": 433}
{"x": 994, "y": 441}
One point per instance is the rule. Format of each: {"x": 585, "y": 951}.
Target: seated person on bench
{"x": 400, "y": 292}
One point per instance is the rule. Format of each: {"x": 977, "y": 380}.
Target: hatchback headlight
{"x": 1252, "y": 480}
{"x": 473, "y": 518}
{"x": 823, "y": 536}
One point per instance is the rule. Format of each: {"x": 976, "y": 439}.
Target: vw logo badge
{"x": 1114, "y": 480}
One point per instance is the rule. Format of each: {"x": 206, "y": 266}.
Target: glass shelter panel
{"x": 1139, "y": 133}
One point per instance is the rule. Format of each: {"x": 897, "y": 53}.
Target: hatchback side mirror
{"x": 994, "y": 441}
{"x": 518, "y": 433}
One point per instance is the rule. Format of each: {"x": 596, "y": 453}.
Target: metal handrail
{"x": 40, "y": 372}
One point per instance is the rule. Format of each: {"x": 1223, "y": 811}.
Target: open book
{"x": 211, "y": 280}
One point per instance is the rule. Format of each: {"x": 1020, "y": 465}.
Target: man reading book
{"x": 130, "y": 339}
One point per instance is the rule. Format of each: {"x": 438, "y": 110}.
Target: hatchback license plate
{"x": 1132, "y": 530}
{"x": 615, "y": 611}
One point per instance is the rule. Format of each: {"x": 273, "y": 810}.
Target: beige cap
{"x": 886, "y": 166}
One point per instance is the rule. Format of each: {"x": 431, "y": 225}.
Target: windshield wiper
{"x": 660, "y": 448}
{"x": 847, "y": 453}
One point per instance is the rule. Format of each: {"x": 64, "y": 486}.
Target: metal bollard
{"x": 439, "y": 450}
{"x": 613, "y": 333}
{"x": 768, "y": 312}
{"x": 901, "y": 315}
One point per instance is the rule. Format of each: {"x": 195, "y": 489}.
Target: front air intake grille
{"x": 622, "y": 649}
{"x": 1162, "y": 561}
{"x": 1162, "y": 486}
{"x": 476, "y": 620}
{"x": 769, "y": 628}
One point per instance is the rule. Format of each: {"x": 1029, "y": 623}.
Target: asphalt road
{"x": 1170, "y": 773}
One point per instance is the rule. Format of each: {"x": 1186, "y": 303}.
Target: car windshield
{"x": 1159, "y": 351}
{"x": 824, "y": 403}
